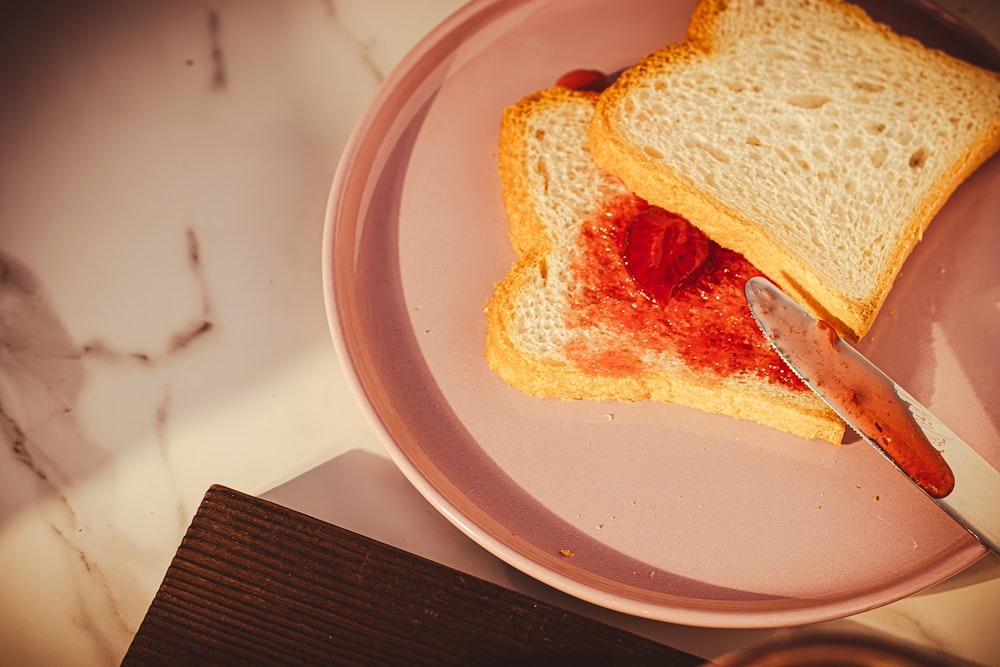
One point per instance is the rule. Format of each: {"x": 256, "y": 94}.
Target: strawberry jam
{"x": 584, "y": 79}
{"x": 664, "y": 253}
{"x": 685, "y": 296}
{"x": 896, "y": 433}
{"x": 872, "y": 403}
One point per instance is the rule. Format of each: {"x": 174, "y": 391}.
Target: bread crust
{"x": 550, "y": 373}
{"x": 675, "y": 186}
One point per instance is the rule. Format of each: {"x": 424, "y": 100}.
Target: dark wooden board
{"x": 254, "y": 583}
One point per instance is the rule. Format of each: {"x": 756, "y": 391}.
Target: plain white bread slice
{"x": 551, "y": 188}
{"x": 814, "y": 141}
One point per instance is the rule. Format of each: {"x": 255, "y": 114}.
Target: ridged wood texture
{"x": 254, "y": 583}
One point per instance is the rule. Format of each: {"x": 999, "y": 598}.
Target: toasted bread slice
{"x": 562, "y": 326}
{"x": 804, "y": 135}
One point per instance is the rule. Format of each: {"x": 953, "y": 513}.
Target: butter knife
{"x": 937, "y": 461}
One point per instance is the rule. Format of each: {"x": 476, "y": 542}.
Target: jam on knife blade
{"x": 869, "y": 401}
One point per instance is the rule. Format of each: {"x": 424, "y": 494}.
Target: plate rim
{"x": 361, "y": 138}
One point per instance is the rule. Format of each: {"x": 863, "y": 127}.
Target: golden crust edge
{"x": 547, "y": 379}
{"x": 851, "y": 318}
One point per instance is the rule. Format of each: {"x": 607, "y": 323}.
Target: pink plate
{"x": 668, "y": 512}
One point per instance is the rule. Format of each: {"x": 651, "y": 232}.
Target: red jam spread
{"x": 875, "y": 408}
{"x": 664, "y": 253}
{"x": 691, "y": 303}
{"x": 902, "y": 440}
{"x": 584, "y": 79}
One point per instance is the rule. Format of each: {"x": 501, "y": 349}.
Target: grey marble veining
{"x": 161, "y": 320}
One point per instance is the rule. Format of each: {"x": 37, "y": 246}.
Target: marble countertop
{"x": 165, "y": 172}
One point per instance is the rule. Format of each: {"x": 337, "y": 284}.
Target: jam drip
{"x": 903, "y": 441}
{"x": 584, "y": 79}
{"x": 874, "y": 407}
{"x": 685, "y": 297}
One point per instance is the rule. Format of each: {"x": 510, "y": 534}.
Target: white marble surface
{"x": 164, "y": 175}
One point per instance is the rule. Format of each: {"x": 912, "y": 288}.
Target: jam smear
{"x": 875, "y": 408}
{"x": 906, "y": 444}
{"x": 699, "y": 312}
{"x": 664, "y": 253}
{"x": 827, "y": 330}
{"x": 584, "y": 79}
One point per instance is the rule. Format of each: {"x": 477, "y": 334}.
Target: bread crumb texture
{"x": 535, "y": 340}
{"x": 806, "y": 136}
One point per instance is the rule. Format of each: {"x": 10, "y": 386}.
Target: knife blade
{"x": 918, "y": 444}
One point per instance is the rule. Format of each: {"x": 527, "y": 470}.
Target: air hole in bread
{"x": 657, "y": 110}
{"x": 808, "y": 100}
{"x": 718, "y": 154}
{"x": 876, "y": 128}
{"x": 879, "y": 156}
{"x": 543, "y": 270}
{"x": 918, "y": 158}
{"x": 793, "y": 127}
{"x": 904, "y": 135}
{"x": 652, "y": 152}
{"x": 543, "y": 170}
{"x": 753, "y": 141}
{"x": 869, "y": 87}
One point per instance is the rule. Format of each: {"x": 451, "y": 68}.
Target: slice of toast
{"x": 569, "y": 321}
{"x": 804, "y": 135}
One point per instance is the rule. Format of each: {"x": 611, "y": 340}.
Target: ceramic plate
{"x": 650, "y": 509}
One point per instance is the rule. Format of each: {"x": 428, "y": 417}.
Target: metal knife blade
{"x": 918, "y": 444}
